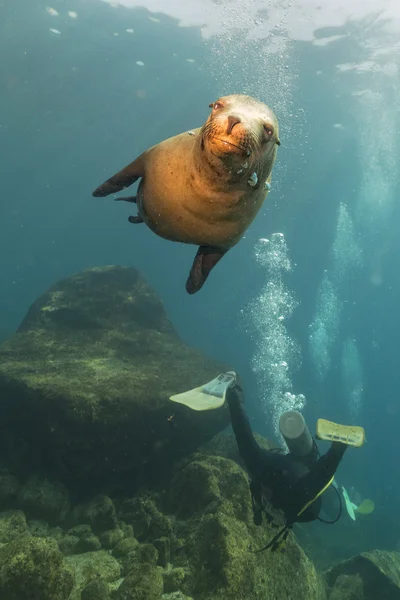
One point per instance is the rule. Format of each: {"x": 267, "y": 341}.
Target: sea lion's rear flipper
{"x": 131, "y": 199}
{"x": 135, "y": 220}
{"x": 122, "y": 179}
{"x": 205, "y": 259}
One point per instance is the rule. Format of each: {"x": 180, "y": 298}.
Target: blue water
{"x": 75, "y": 107}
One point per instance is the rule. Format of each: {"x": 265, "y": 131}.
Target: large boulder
{"x": 143, "y": 583}
{"x": 206, "y": 516}
{"x": 93, "y": 565}
{"x": 12, "y": 525}
{"x": 368, "y": 576}
{"x": 33, "y": 568}
{"x": 85, "y": 384}
{"x": 328, "y": 546}
{"x": 195, "y": 539}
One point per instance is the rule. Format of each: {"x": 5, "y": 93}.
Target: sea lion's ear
{"x": 278, "y": 142}
{"x": 211, "y": 105}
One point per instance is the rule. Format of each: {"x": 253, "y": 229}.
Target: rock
{"x": 87, "y": 541}
{"x": 79, "y": 540}
{"x": 86, "y": 380}
{"x": 91, "y": 543}
{"x": 143, "y": 583}
{"x": 141, "y": 554}
{"x": 69, "y": 545}
{"x": 81, "y": 531}
{"x": 205, "y": 483}
{"x": 125, "y": 546}
{"x": 368, "y": 576}
{"x": 12, "y": 525}
{"x": 127, "y": 529}
{"x": 42, "y": 499}
{"x": 148, "y": 522}
{"x": 128, "y": 553}
{"x": 213, "y": 532}
{"x": 8, "y": 490}
{"x": 96, "y": 589}
{"x": 39, "y": 528}
{"x": 174, "y": 579}
{"x": 93, "y": 565}
{"x": 225, "y": 445}
{"x": 175, "y": 596}
{"x": 99, "y": 513}
{"x": 163, "y": 548}
{"x": 203, "y": 526}
{"x": 33, "y": 568}
{"x": 130, "y": 562}
{"x": 148, "y": 554}
{"x": 327, "y": 546}
{"x": 348, "y": 587}
{"x": 110, "y": 538}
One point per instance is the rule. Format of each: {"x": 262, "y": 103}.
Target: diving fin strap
{"x": 346, "y": 434}
{"x": 208, "y": 396}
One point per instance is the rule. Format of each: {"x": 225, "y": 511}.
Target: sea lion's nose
{"x": 232, "y": 121}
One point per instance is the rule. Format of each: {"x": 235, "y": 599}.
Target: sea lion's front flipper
{"x": 205, "y": 259}
{"x": 122, "y": 179}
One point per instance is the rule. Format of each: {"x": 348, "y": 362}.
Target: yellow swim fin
{"x": 208, "y": 396}
{"x": 346, "y": 434}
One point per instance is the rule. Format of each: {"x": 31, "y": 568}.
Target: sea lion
{"x": 205, "y": 186}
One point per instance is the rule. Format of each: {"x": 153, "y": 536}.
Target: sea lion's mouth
{"x": 232, "y": 145}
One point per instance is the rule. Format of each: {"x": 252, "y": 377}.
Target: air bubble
{"x": 276, "y": 354}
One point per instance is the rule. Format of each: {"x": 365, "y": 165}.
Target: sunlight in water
{"x": 352, "y": 376}
{"x": 346, "y": 260}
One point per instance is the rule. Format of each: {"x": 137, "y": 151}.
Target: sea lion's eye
{"x": 215, "y": 105}
{"x": 268, "y": 130}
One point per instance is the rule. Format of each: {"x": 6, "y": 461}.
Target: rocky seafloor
{"x": 100, "y": 498}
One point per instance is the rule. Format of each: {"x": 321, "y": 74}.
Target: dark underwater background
{"x": 75, "y": 107}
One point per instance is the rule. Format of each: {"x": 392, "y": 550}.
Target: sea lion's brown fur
{"x": 205, "y": 186}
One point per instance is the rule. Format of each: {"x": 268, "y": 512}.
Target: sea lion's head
{"x": 241, "y": 130}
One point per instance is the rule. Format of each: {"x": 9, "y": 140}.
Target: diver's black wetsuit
{"x": 286, "y": 481}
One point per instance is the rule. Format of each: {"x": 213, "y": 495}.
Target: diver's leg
{"x": 328, "y": 463}
{"x": 252, "y": 454}
{"x": 310, "y": 485}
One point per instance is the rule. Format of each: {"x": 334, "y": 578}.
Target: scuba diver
{"x": 292, "y": 482}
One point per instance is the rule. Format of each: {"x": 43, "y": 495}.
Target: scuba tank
{"x": 297, "y": 436}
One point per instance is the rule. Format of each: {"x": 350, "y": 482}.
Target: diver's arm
{"x": 249, "y": 450}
